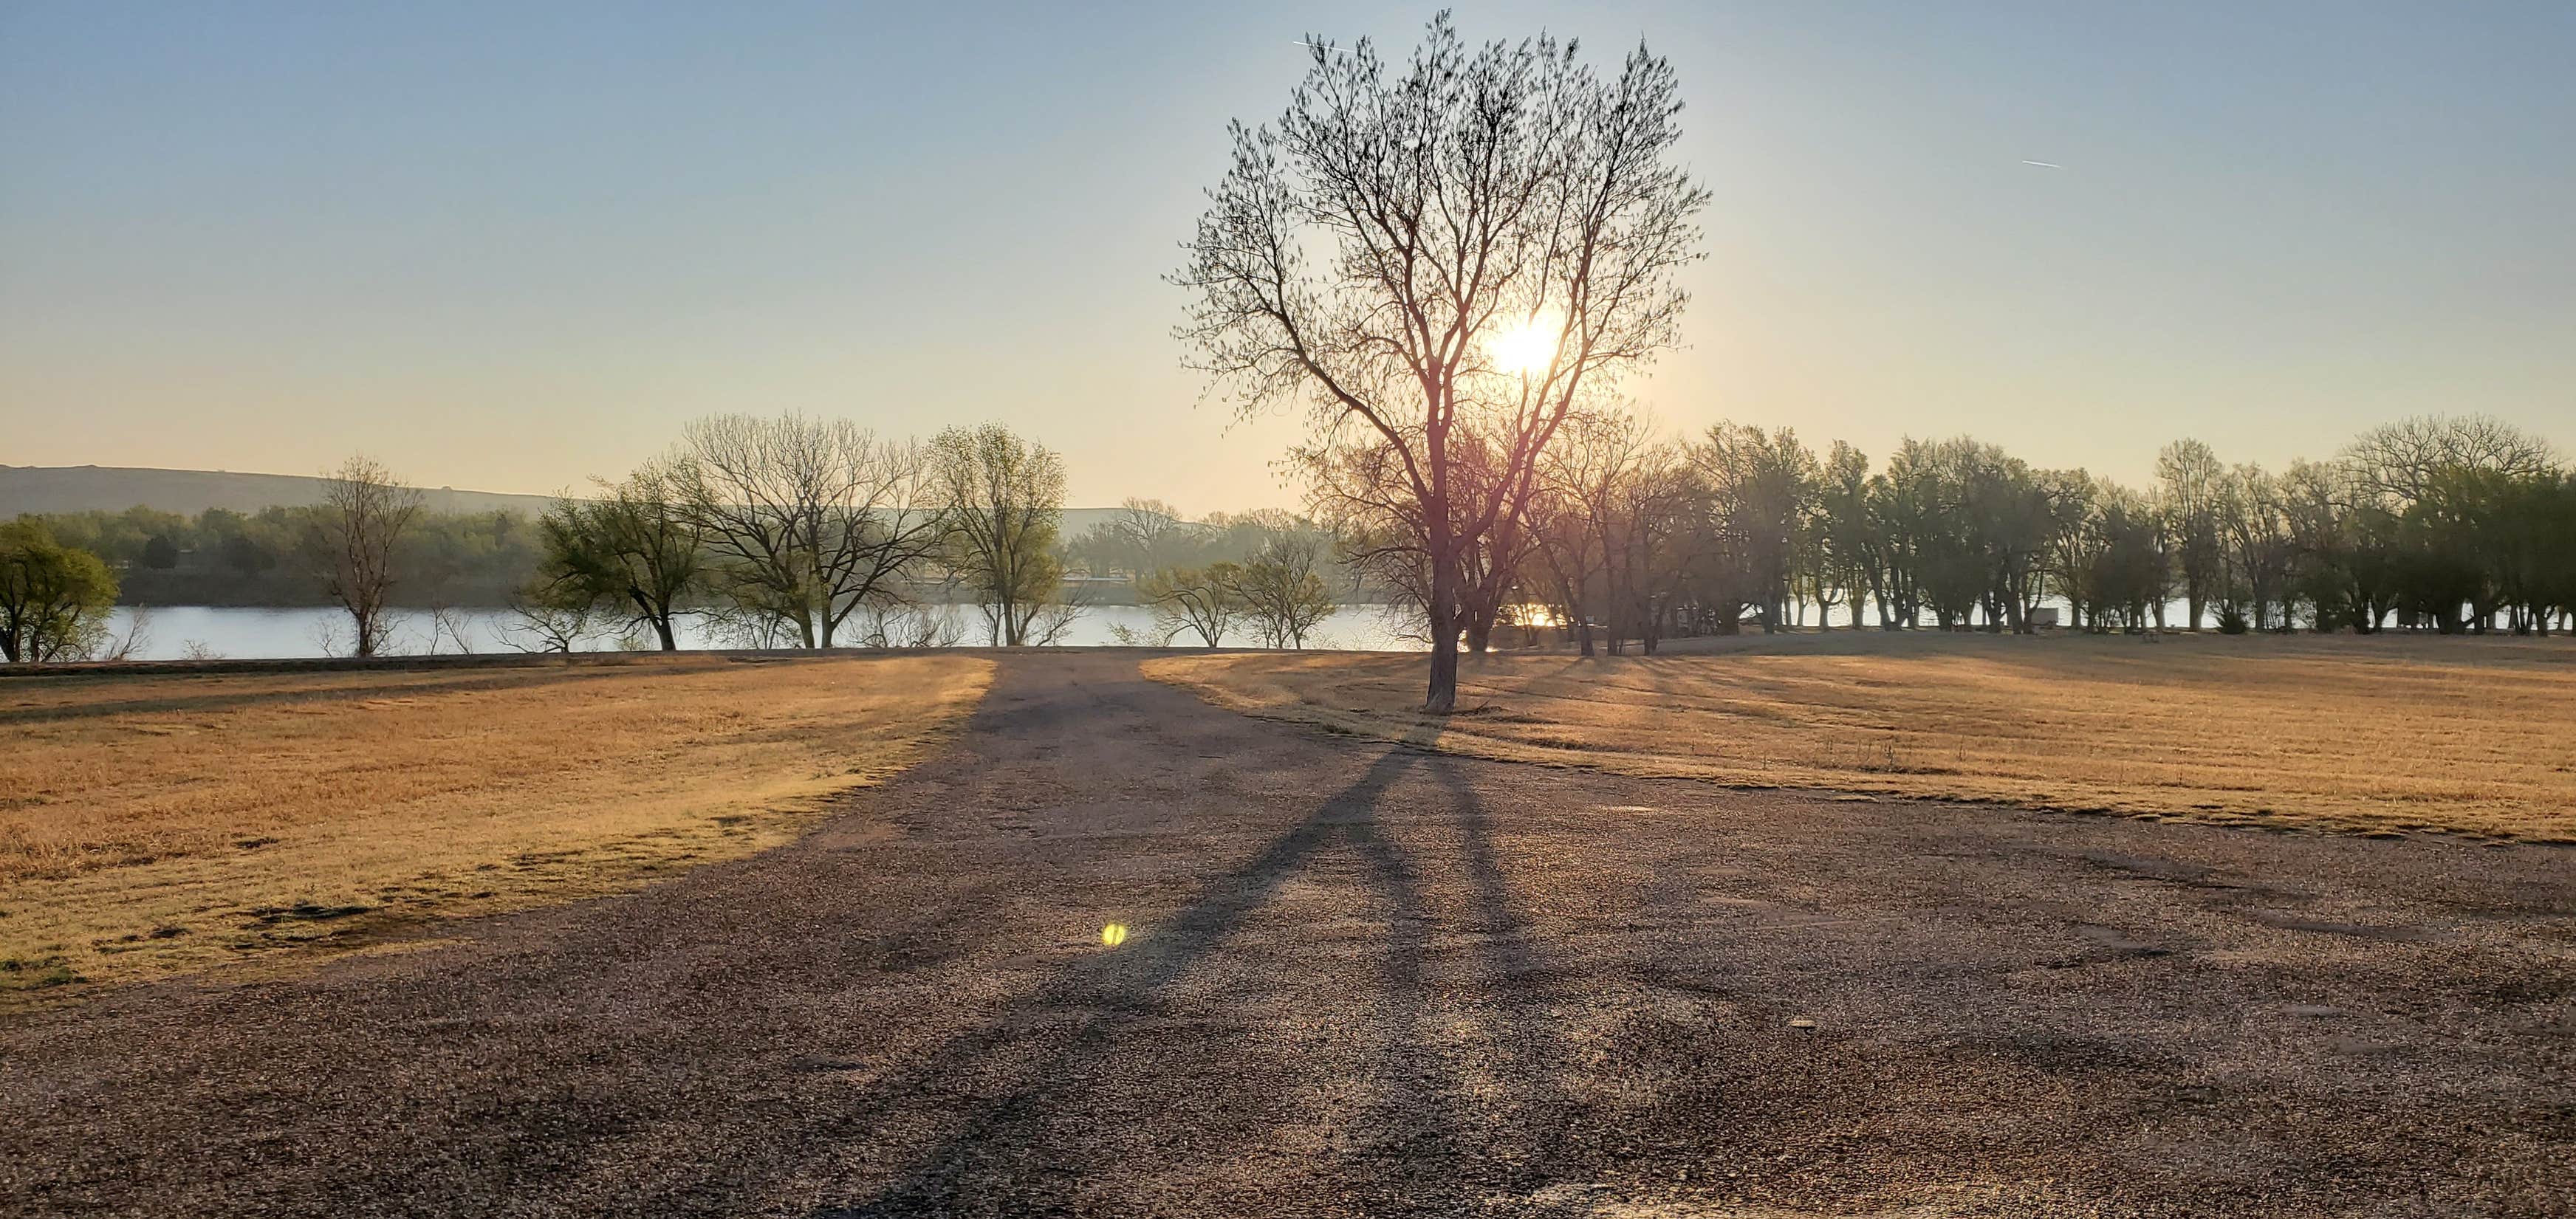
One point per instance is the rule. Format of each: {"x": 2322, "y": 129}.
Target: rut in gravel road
{"x": 1365, "y": 980}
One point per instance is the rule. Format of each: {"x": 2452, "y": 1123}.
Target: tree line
{"x": 2444, "y": 524}
{"x": 767, "y": 531}
{"x": 777, "y": 531}
{"x": 223, "y": 557}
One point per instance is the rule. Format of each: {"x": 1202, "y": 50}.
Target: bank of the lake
{"x": 176, "y": 632}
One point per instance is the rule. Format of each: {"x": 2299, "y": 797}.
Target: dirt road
{"x": 1364, "y": 981}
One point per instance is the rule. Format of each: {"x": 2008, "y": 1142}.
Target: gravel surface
{"x": 1358, "y": 980}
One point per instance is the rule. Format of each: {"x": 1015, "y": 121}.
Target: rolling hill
{"x": 44, "y": 489}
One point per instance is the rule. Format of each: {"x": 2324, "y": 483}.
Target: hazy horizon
{"x": 508, "y": 249}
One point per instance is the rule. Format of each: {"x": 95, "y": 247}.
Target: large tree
{"x": 1441, "y": 258}
{"x": 808, "y": 519}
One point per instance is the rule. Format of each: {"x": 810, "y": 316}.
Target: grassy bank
{"x": 2373, "y": 735}
{"x": 152, "y": 824}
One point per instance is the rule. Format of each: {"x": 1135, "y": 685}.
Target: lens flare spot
{"x": 1114, "y": 934}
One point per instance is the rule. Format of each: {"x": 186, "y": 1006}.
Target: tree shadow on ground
{"x": 1427, "y": 1137}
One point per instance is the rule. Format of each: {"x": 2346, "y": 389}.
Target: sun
{"x": 1528, "y": 347}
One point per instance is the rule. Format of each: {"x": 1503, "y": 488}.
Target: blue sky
{"x": 512, "y": 246}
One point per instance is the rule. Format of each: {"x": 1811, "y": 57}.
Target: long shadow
{"x": 1539, "y": 1120}
{"x": 1416, "y": 1147}
{"x": 1117, "y": 984}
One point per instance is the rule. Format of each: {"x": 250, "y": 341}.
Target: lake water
{"x": 173, "y": 632}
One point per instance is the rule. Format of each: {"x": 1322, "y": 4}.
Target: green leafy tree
{"x": 1002, "y": 500}
{"x": 54, "y": 599}
{"x": 635, "y": 550}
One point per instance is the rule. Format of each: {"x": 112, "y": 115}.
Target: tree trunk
{"x": 1442, "y": 698}
{"x": 662, "y": 627}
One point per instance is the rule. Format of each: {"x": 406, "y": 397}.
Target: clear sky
{"x": 508, "y": 246}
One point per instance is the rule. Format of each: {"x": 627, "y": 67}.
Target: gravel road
{"x": 1364, "y": 980}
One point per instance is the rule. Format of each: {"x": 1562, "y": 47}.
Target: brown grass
{"x": 2373, "y": 735}
{"x": 151, "y": 824}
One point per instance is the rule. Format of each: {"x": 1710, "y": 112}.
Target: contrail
{"x": 2044, "y": 164}
{"x": 1320, "y": 46}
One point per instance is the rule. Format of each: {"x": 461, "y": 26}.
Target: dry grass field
{"x": 2474, "y": 736}
{"x": 152, "y": 824}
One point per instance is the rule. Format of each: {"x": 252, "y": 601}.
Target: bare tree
{"x": 2195, "y": 485}
{"x": 1002, "y": 498}
{"x": 136, "y": 637}
{"x": 810, "y": 519}
{"x": 913, "y": 626}
{"x": 448, "y": 623}
{"x": 1147, "y": 529}
{"x": 1281, "y": 591}
{"x": 365, "y": 512}
{"x": 2257, "y": 545}
{"x": 2404, "y": 460}
{"x": 1441, "y": 259}
{"x": 1576, "y": 522}
{"x": 1645, "y": 518}
{"x": 1054, "y": 621}
{"x": 551, "y": 626}
{"x": 1851, "y": 546}
{"x": 1762, "y": 488}
{"x": 1203, "y": 599}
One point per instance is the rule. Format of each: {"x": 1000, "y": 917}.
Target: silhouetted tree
{"x": 2194, "y": 485}
{"x": 1442, "y": 258}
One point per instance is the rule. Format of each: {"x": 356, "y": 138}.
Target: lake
{"x": 172, "y": 632}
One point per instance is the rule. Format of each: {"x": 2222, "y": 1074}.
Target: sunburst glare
{"x": 1527, "y": 347}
